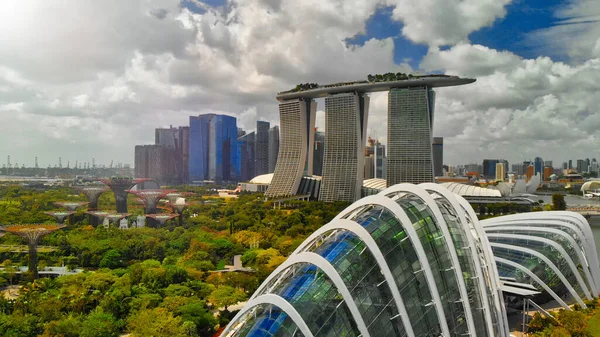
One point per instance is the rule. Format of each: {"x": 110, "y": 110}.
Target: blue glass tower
{"x": 213, "y": 148}
{"x": 538, "y": 165}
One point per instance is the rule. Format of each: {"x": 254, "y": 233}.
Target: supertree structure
{"x": 92, "y": 192}
{"x": 60, "y": 216}
{"x": 151, "y": 198}
{"x": 99, "y": 215}
{"x": 179, "y": 206}
{"x": 32, "y": 233}
{"x": 70, "y": 205}
{"x": 116, "y": 217}
{"x": 120, "y": 187}
{"x": 162, "y": 218}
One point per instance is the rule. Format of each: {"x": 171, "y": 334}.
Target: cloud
{"x": 575, "y": 36}
{"x": 95, "y": 78}
{"x": 445, "y": 22}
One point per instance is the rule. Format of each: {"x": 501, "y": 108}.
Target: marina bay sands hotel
{"x": 411, "y": 103}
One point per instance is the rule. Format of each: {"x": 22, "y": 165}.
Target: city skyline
{"x": 530, "y": 94}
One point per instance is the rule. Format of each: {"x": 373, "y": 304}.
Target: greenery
{"x": 558, "y": 202}
{"x": 577, "y": 323}
{"x": 145, "y": 281}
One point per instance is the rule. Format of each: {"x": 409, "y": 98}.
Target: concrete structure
{"x": 261, "y": 148}
{"x": 500, "y": 174}
{"x": 120, "y": 187}
{"x": 273, "y": 147}
{"x": 295, "y": 158}
{"x": 176, "y": 139}
{"x": 157, "y": 162}
{"x": 92, "y": 192}
{"x": 410, "y": 121}
{"x": 438, "y": 156}
{"x": 345, "y": 137}
{"x": 213, "y": 148}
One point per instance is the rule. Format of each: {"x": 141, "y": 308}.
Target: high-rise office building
{"x": 369, "y": 172}
{"x": 529, "y": 172}
{"x": 489, "y": 168}
{"x": 380, "y": 160}
{"x": 410, "y": 121}
{"x": 438, "y": 156}
{"x": 570, "y": 163}
{"x": 538, "y": 164}
{"x": 156, "y": 162}
{"x": 177, "y": 139}
{"x": 565, "y": 165}
{"x": 548, "y": 163}
{"x": 273, "y": 147}
{"x": 500, "y": 173}
{"x": 581, "y": 166}
{"x": 345, "y": 137}
{"x": 247, "y": 155}
{"x": 517, "y": 169}
{"x": 318, "y": 153}
{"x": 261, "y": 148}
{"x": 213, "y": 148}
{"x": 297, "y": 118}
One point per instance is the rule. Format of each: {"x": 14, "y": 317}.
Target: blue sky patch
{"x": 381, "y": 26}
{"x": 523, "y": 17}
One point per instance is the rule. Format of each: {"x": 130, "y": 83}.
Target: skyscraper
{"x": 581, "y": 166}
{"x": 213, "y": 148}
{"x": 410, "y": 121}
{"x": 345, "y": 137}
{"x": 318, "y": 153}
{"x": 380, "y": 160}
{"x": 297, "y": 117}
{"x": 500, "y": 171}
{"x": 273, "y": 147}
{"x": 177, "y": 139}
{"x": 156, "y": 162}
{"x": 538, "y": 164}
{"x": 438, "y": 156}
{"x": 261, "y": 148}
{"x": 247, "y": 156}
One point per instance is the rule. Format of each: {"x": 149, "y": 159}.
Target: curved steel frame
{"x": 380, "y": 200}
{"x": 536, "y": 279}
{"x": 550, "y": 264}
{"x": 491, "y": 266}
{"x": 275, "y": 300}
{"x": 585, "y": 236}
{"x": 428, "y": 200}
{"x": 450, "y": 197}
{"x": 557, "y": 247}
{"x": 572, "y": 242}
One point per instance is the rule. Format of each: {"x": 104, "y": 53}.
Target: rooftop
{"x": 319, "y": 91}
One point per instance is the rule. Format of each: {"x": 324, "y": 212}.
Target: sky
{"x": 92, "y": 79}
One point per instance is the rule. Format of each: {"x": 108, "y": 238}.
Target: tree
{"x": 224, "y": 296}
{"x": 197, "y": 313}
{"x": 157, "y": 322}
{"x": 558, "y": 202}
{"x": 99, "y": 324}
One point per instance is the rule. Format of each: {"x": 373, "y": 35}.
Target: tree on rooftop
{"x": 32, "y": 233}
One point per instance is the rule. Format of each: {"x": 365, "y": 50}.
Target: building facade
{"x": 213, "y": 148}
{"x": 438, "y": 156}
{"x": 297, "y": 118}
{"x": 500, "y": 174}
{"x": 373, "y": 271}
{"x": 318, "y": 153}
{"x": 261, "y": 148}
{"x": 410, "y": 121}
{"x": 246, "y": 155}
{"x": 156, "y": 162}
{"x": 273, "y": 147}
{"x": 345, "y": 137}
